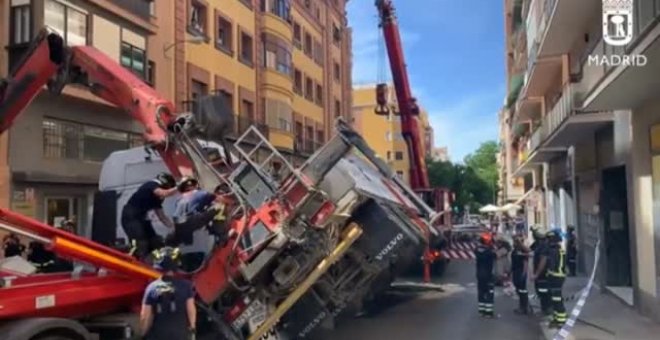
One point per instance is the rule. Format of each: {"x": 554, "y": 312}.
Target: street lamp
{"x": 195, "y": 39}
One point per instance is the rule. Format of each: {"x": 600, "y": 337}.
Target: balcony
{"x": 137, "y": 7}
{"x": 555, "y": 25}
{"x": 622, "y": 87}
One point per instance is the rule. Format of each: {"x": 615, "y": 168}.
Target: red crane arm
{"x": 50, "y": 62}
{"x": 408, "y": 109}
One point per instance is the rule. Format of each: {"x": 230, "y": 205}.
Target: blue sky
{"x": 455, "y": 56}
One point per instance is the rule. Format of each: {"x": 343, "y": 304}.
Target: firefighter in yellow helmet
{"x": 556, "y": 264}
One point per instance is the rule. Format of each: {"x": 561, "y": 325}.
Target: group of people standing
{"x": 547, "y": 271}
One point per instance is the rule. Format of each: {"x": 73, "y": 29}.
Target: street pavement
{"x": 451, "y": 314}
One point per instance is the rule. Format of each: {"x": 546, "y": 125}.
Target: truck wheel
{"x": 44, "y": 329}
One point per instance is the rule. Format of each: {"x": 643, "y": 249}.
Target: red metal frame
{"x": 408, "y": 109}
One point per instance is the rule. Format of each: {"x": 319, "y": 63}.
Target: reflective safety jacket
{"x": 556, "y": 261}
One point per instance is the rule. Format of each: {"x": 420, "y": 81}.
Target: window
{"x": 398, "y": 156}
{"x": 297, "y": 35}
{"x": 69, "y": 140}
{"x": 318, "y": 53}
{"x": 68, "y": 22}
{"x": 337, "y": 71}
{"x": 197, "y": 19}
{"x": 20, "y": 25}
{"x": 133, "y": 58}
{"x": 337, "y": 108}
{"x": 277, "y": 55}
{"x": 281, "y": 8}
{"x": 246, "y": 49}
{"x": 389, "y": 155}
{"x": 223, "y": 38}
{"x": 152, "y": 8}
{"x": 228, "y": 97}
{"x": 151, "y": 73}
{"x": 336, "y": 34}
{"x": 297, "y": 82}
{"x": 309, "y": 89}
{"x": 308, "y": 44}
{"x": 299, "y": 133}
{"x": 319, "y": 94}
{"x": 320, "y": 137}
{"x": 399, "y": 173}
{"x": 247, "y": 3}
{"x": 279, "y": 114}
{"x": 247, "y": 109}
{"x": 197, "y": 90}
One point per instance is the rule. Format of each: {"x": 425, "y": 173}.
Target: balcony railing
{"x": 137, "y": 7}
{"x": 564, "y": 108}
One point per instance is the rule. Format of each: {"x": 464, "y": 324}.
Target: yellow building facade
{"x": 383, "y": 133}
{"x": 284, "y": 65}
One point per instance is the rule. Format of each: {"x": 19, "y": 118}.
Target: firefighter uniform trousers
{"x": 541, "y": 287}
{"x": 486, "y": 295}
{"x": 556, "y": 277}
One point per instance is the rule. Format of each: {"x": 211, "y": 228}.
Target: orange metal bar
{"x": 78, "y": 251}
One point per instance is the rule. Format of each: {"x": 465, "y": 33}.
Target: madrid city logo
{"x": 618, "y": 21}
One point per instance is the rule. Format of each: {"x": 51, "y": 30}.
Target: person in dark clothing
{"x": 134, "y": 218}
{"x": 43, "y": 259}
{"x": 168, "y": 306}
{"x": 539, "y": 275}
{"x": 12, "y": 245}
{"x": 571, "y": 251}
{"x": 485, "y": 256}
{"x": 519, "y": 258}
{"x": 556, "y": 276}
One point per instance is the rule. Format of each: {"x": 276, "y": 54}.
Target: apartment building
{"x": 51, "y": 158}
{"x": 383, "y": 133}
{"x": 283, "y": 65}
{"x": 585, "y": 133}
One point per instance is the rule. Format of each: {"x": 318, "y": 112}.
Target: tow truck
{"x": 408, "y": 112}
{"x": 304, "y": 246}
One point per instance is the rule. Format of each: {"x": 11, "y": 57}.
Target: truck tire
{"x": 44, "y": 329}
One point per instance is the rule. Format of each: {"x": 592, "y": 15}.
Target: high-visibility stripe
{"x": 543, "y": 290}
{"x": 554, "y": 298}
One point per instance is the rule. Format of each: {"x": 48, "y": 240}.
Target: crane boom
{"x": 408, "y": 109}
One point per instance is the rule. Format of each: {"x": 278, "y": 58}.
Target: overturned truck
{"x": 341, "y": 188}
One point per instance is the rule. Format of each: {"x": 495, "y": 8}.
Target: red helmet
{"x": 486, "y": 238}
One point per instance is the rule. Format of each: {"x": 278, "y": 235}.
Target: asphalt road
{"x": 451, "y": 314}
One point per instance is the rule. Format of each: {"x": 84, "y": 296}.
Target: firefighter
{"x": 135, "y": 220}
{"x": 556, "y": 265}
{"x": 199, "y": 208}
{"x": 519, "y": 258}
{"x": 539, "y": 273}
{"x": 168, "y": 307}
{"x": 485, "y": 255}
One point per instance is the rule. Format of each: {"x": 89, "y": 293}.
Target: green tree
{"x": 474, "y": 182}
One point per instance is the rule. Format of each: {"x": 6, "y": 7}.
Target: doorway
{"x": 59, "y": 209}
{"x": 614, "y": 214}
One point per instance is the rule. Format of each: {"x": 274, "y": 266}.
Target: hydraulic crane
{"x": 408, "y": 112}
{"x": 287, "y": 235}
